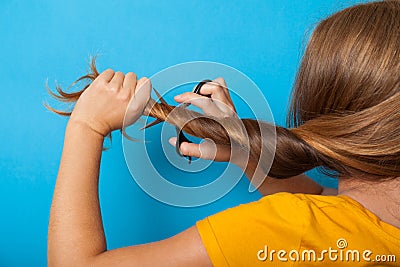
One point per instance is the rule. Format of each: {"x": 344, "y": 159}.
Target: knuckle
{"x": 213, "y": 86}
{"x": 145, "y": 80}
{"x": 112, "y": 87}
{"x": 220, "y": 81}
{"x": 208, "y": 101}
{"x": 184, "y": 149}
{"x": 216, "y": 87}
{"x": 136, "y": 109}
{"x": 133, "y": 108}
{"x": 107, "y": 71}
{"x": 100, "y": 82}
{"x": 131, "y": 74}
{"x": 123, "y": 97}
{"x": 190, "y": 150}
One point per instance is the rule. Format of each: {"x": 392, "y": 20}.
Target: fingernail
{"x": 172, "y": 141}
{"x": 178, "y": 96}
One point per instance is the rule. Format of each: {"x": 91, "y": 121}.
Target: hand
{"x": 219, "y": 105}
{"x": 102, "y": 106}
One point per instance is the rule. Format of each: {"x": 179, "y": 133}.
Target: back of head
{"x": 345, "y": 104}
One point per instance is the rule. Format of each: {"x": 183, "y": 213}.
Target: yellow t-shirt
{"x": 300, "y": 230}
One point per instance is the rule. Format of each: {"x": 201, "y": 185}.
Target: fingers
{"x": 143, "y": 87}
{"x": 206, "y": 104}
{"x": 215, "y": 89}
{"x": 116, "y": 82}
{"x": 129, "y": 84}
{"x": 219, "y": 91}
{"x": 209, "y": 106}
{"x": 106, "y": 75}
{"x": 130, "y": 81}
{"x": 221, "y": 81}
{"x": 206, "y": 150}
{"x": 138, "y": 101}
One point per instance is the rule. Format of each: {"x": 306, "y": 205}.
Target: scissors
{"x": 180, "y": 136}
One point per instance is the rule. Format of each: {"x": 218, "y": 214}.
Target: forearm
{"x": 75, "y": 228}
{"x": 297, "y": 184}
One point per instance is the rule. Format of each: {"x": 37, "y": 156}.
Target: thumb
{"x": 138, "y": 101}
{"x": 205, "y": 150}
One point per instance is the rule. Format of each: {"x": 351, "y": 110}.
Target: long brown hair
{"x": 344, "y": 114}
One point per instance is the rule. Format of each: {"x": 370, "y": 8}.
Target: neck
{"x": 381, "y": 198}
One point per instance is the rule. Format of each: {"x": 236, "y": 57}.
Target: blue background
{"x": 53, "y": 40}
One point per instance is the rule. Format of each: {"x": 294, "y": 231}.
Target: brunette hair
{"x": 344, "y": 114}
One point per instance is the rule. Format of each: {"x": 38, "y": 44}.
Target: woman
{"x": 344, "y": 116}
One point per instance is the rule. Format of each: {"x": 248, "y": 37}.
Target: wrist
{"x": 84, "y": 128}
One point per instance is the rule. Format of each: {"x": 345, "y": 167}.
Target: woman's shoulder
{"x": 298, "y": 201}
{"x": 308, "y": 209}
{"x": 308, "y": 199}
{"x": 284, "y": 214}
{"x": 293, "y": 209}
{"x": 291, "y": 221}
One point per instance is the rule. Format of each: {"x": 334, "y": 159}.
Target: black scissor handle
{"x": 180, "y": 136}
{"x": 196, "y": 90}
